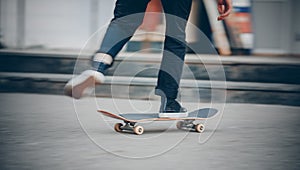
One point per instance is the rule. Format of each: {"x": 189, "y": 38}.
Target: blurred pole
{"x": 94, "y": 16}
{"x": 1, "y": 6}
{"x": 93, "y": 23}
{"x": 21, "y": 5}
{"x": 218, "y": 31}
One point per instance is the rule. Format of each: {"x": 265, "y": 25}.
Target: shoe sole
{"x": 173, "y": 115}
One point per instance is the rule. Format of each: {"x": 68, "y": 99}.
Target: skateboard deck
{"x": 131, "y": 119}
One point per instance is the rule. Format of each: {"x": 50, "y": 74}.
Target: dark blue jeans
{"x": 128, "y": 16}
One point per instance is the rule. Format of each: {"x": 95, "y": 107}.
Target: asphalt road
{"x": 56, "y": 132}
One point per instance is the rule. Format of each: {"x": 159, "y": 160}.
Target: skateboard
{"x": 132, "y": 119}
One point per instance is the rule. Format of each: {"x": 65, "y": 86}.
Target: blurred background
{"x": 251, "y": 58}
{"x": 263, "y": 26}
{"x": 259, "y": 46}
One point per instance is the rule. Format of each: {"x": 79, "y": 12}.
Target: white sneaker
{"x": 83, "y": 84}
{"x": 173, "y": 115}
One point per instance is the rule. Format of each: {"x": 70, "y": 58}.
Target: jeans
{"x": 128, "y": 16}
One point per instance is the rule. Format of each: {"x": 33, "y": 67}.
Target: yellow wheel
{"x": 199, "y": 128}
{"x": 118, "y": 127}
{"x": 138, "y": 130}
{"x": 179, "y": 124}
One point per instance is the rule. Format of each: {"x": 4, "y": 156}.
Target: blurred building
{"x": 62, "y": 24}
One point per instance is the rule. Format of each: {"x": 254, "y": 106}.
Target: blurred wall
{"x": 296, "y": 27}
{"x": 8, "y": 22}
{"x": 275, "y": 26}
{"x": 52, "y": 24}
{"x": 69, "y": 24}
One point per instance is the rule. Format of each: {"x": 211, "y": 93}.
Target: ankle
{"x": 100, "y": 67}
{"x": 101, "y": 62}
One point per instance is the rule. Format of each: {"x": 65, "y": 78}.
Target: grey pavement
{"x": 56, "y": 132}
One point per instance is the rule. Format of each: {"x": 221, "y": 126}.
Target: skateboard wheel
{"x": 138, "y": 130}
{"x": 118, "y": 127}
{"x": 179, "y": 124}
{"x": 199, "y": 128}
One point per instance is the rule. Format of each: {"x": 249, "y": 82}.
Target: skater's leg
{"x": 177, "y": 13}
{"x": 128, "y": 16}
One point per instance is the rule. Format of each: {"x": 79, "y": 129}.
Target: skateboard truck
{"x": 129, "y": 126}
{"x": 189, "y": 124}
